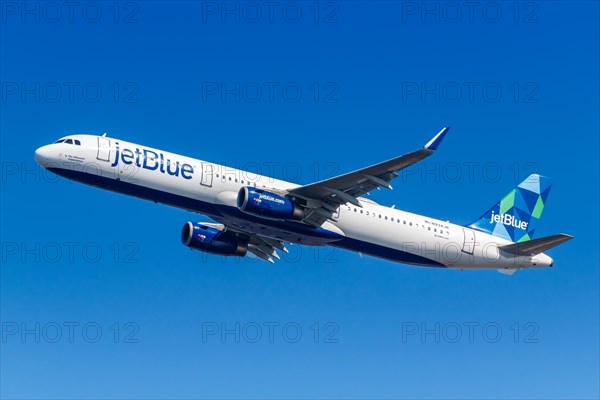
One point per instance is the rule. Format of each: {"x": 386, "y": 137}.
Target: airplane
{"x": 261, "y": 215}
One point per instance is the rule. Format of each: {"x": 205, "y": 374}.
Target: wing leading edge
{"x": 325, "y": 196}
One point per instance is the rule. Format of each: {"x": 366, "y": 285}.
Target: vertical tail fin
{"x": 515, "y": 217}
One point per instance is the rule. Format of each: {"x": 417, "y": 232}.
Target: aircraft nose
{"x": 42, "y": 155}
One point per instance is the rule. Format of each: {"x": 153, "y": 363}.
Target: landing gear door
{"x": 103, "y": 149}
{"x": 207, "y": 175}
{"x": 469, "y": 241}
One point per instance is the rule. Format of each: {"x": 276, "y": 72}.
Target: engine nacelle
{"x": 267, "y": 204}
{"x": 212, "y": 240}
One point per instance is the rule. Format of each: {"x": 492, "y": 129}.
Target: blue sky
{"x": 100, "y": 299}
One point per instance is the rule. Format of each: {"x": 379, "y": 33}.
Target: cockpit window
{"x": 69, "y": 141}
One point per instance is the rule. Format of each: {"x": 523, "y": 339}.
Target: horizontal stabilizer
{"x": 536, "y": 246}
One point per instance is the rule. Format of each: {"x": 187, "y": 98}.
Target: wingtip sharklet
{"x": 434, "y": 143}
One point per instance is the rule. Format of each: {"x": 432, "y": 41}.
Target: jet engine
{"x": 268, "y": 204}
{"x": 212, "y": 239}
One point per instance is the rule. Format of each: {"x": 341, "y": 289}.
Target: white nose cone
{"x": 42, "y": 155}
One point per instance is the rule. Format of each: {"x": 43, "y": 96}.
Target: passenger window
{"x": 380, "y": 216}
{"x": 410, "y": 223}
{"x": 361, "y": 211}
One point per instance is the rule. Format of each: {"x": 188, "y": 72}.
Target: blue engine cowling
{"x": 212, "y": 240}
{"x": 267, "y": 204}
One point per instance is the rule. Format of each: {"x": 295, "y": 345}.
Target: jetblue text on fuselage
{"x": 152, "y": 161}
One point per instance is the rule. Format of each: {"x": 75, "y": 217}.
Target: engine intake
{"x": 268, "y": 204}
{"x": 212, "y": 240}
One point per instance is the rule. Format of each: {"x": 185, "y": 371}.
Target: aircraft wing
{"x": 324, "y": 197}
{"x": 262, "y": 247}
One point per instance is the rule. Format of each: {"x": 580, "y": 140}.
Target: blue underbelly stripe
{"x": 220, "y": 212}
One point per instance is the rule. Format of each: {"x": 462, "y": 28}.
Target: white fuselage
{"x": 212, "y": 189}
